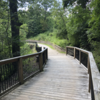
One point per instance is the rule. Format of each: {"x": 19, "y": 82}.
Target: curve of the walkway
{"x": 63, "y": 78}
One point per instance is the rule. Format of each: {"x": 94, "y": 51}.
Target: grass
{"x": 52, "y": 48}
{"x": 51, "y": 37}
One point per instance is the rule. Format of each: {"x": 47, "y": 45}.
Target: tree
{"x": 94, "y": 22}
{"x": 79, "y": 2}
{"x": 15, "y": 24}
{"x": 5, "y": 32}
{"x": 59, "y": 16}
{"x": 39, "y": 17}
{"x": 77, "y": 27}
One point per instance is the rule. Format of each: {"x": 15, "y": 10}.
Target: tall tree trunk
{"x": 14, "y": 28}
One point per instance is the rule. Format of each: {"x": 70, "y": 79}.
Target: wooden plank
{"x": 63, "y": 78}
{"x": 6, "y": 61}
{"x": 95, "y": 77}
{"x": 14, "y": 59}
{"x": 93, "y": 72}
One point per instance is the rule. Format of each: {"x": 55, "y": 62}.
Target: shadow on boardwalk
{"x": 63, "y": 78}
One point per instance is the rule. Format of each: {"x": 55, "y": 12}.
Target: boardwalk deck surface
{"x": 63, "y": 78}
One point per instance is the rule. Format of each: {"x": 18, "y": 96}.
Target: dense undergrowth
{"x": 27, "y": 49}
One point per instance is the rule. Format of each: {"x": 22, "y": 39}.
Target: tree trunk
{"x": 14, "y": 28}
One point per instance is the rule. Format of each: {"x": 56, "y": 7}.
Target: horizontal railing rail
{"x": 86, "y": 58}
{"x": 16, "y": 70}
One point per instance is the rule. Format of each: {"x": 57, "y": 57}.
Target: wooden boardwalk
{"x": 63, "y": 78}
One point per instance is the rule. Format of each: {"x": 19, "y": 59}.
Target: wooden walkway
{"x": 63, "y": 78}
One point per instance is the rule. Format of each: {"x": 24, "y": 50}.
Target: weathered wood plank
{"x": 63, "y": 78}
{"x": 94, "y": 74}
{"x": 95, "y": 77}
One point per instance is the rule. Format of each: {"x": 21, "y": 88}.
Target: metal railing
{"x": 86, "y": 58}
{"x": 16, "y": 70}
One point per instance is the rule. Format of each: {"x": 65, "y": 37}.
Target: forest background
{"x": 64, "y": 23}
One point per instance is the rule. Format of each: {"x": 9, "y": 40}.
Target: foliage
{"x": 77, "y": 26}
{"x": 94, "y": 31}
{"x": 26, "y": 49}
{"x": 51, "y": 36}
{"x": 59, "y": 18}
{"x": 71, "y": 2}
{"x": 23, "y": 32}
{"x": 5, "y": 31}
{"x": 75, "y": 23}
{"x": 39, "y": 17}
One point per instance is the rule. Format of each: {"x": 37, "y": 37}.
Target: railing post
{"x": 20, "y": 70}
{"x": 47, "y": 53}
{"x": 74, "y": 52}
{"x": 80, "y": 56}
{"x": 41, "y": 61}
{"x": 89, "y": 79}
{"x": 88, "y": 64}
{"x": 66, "y": 51}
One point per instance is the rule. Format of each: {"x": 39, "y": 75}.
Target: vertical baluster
{"x": 44, "y": 56}
{"x": 5, "y": 72}
{"x": 15, "y": 72}
{"x": 41, "y": 61}
{"x": 7, "y": 76}
{"x": 8, "y": 65}
{"x": 10, "y": 75}
{"x": 16, "y": 75}
{"x": 13, "y": 67}
{"x": 0, "y": 78}
{"x": 47, "y": 53}
{"x": 74, "y": 53}
{"x": 66, "y": 51}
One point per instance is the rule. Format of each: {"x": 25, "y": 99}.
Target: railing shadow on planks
{"x": 86, "y": 58}
{"x": 17, "y": 70}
